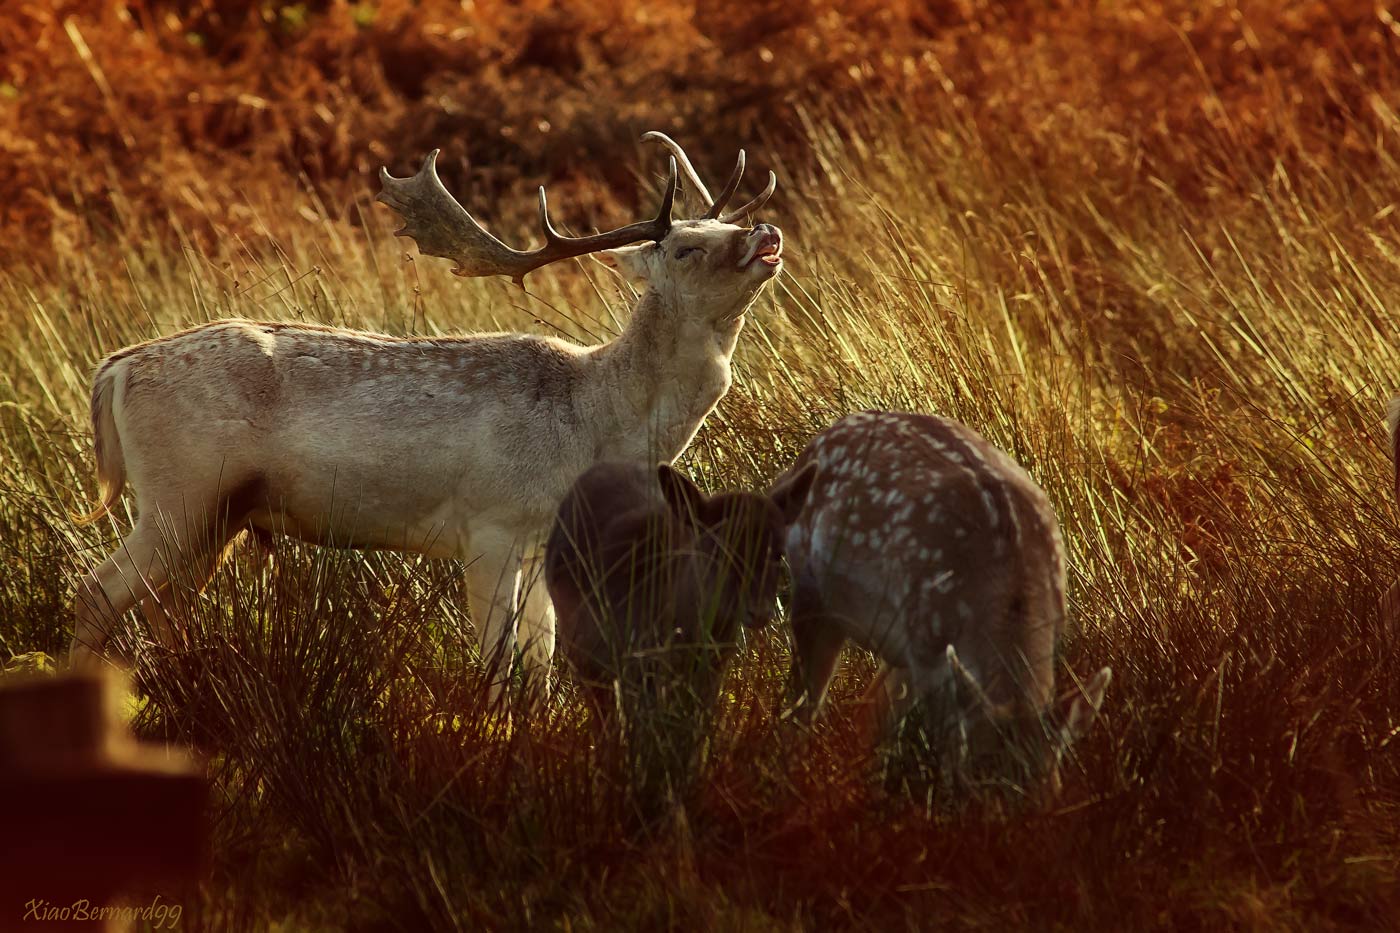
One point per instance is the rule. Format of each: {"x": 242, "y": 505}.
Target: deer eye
{"x": 689, "y": 251}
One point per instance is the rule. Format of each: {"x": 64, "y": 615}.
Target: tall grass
{"x": 1198, "y": 385}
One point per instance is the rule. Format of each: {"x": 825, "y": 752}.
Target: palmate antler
{"x": 442, "y": 227}
{"x": 715, "y": 206}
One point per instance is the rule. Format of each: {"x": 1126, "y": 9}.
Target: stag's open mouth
{"x": 767, "y": 249}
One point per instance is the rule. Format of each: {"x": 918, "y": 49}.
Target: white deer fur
{"x": 456, "y": 447}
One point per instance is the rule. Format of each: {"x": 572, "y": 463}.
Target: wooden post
{"x": 95, "y": 828}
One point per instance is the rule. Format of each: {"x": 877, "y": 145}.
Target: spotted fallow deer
{"x": 454, "y": 447}
{"x": 642, "y": 565}
{"x": 923, "y": 543}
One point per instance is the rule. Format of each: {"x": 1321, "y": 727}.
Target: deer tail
{"x": 111, "y": 466}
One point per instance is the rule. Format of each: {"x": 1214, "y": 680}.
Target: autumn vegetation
{"x": 1149, "y": 248}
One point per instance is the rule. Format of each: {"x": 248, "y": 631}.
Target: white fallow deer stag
{"x": 926, "y": 545}
{"x": 452, "y": 447}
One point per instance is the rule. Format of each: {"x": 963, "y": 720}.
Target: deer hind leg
{"x": 134, "y": 571}
{"x": 159, "y": 552}
{"x": 493, "y": 577}
{"x": 198, "y": 559}
{"x": 817, "y": 642}
{"x": 536, "y": 631}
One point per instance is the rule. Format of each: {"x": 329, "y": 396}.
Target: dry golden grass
{"x": 1168, "y": 296}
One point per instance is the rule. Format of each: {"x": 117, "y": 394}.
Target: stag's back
{"x": 919, "y": 534}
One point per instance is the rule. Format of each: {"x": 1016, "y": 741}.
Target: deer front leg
{"x": 492, "y": 578}
{"x": 817, "y": 644}
{"x": 536, "y": 631}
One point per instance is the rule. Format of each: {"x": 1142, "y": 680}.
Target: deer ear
{"x": 790, "y": 493}
{"x": 682, "y": 495}
{"x": 1078, "y": 710}
{"x": 636, "y": 262}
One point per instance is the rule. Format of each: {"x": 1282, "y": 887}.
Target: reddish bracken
{"x": 925, "y": 544}
{"x": 640, "y": 561}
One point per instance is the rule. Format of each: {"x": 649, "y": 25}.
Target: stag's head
{"x": 713, "y": 264}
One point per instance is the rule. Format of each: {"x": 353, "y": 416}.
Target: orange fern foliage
{"x": 176, "y": 112}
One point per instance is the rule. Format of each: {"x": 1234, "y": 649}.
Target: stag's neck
{"x": 666, "y": 371}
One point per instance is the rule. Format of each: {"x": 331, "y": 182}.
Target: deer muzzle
{"x": 765, "y": 246}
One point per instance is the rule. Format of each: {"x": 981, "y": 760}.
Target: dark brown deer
{"x": 923, "y": 543}
{"x": 643, "y": 565}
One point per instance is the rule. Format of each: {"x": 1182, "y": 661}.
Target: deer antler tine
{"x": 729, "y": 189}
{"x": 550, "y": 234}
{"x": 691, "y": 176}
{"x": 392, "y": 190}
{"x": 755, "y": 204}
{"x": 668, "y": 200}
{"x": 429, "y": 165}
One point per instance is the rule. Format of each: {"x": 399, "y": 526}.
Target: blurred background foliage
{"x": 188, "y": 111}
